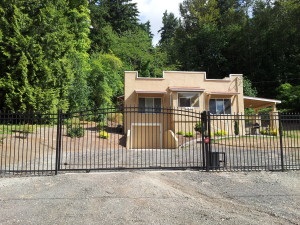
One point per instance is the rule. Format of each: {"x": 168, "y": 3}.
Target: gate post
{"x": 281, "y": 142}
{"x": 205, "y": 131}
{"x": 58, "y": 141}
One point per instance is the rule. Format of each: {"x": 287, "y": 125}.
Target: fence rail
{"x": 147, "y": 138}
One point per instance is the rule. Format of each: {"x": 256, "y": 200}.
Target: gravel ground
{"x": 152, "y": 197}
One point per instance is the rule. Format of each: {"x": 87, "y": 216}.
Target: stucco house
{"x": 189, "y": 93}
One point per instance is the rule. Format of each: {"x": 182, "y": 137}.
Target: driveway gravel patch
{"x": 152, "y": 197}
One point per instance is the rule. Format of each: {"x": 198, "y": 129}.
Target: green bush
{"x": 264, "y": 132}
{"x": 269, "y": 132}
{"x": 236, "y": 127}
{"x": 72, "y": 121}
{"x": 75, "y": 131}
{"x": 180, "y": 133}
{"x": 198, "y": 127}
{"x": 220, "y": 133}
{"x": 274, "y": 132}
{"x": 104, "y": 135}
{"x": 115, "y": 117}
{"x": 101, "y": 125}
{"x": 189, "y": 134}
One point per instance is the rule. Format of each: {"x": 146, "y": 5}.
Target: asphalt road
{"x": 152, "y": 197}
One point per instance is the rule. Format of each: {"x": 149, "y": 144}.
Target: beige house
{"x": 172, "y": 104}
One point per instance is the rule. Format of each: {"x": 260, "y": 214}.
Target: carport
{"x": 260, "y": 103}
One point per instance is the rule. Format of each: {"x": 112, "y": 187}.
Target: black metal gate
{"x": 147, "y": 138}
{"x": 129, "y": 138}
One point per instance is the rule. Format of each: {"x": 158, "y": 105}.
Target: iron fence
{"x": 149, "y": 138}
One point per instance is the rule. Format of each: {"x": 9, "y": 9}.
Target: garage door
{"x": 146, "y": 136}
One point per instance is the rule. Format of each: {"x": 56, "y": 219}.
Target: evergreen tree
{"x": 170, "y": 24}
{"x": 35, "y": 70}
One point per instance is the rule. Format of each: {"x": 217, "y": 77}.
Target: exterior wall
{"x": 181, "y": 121}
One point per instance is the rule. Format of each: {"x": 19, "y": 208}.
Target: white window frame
{"x": 198, "y": 93}
{"x": 223, "y": 106}
{"x": 153, "y": 104}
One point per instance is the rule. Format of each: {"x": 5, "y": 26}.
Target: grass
{"x": 292, "y": 133}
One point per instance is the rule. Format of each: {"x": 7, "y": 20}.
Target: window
{"x": 220, "y": 106}
{"x": 149, "y": 105}
{"x": 188, "y": 99}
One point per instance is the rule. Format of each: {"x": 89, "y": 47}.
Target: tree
{"x": 109, "y": 16}
{"x": 170, "y": 24}
{"x": 34, "y": 55}
{"x": 79, "y": 21}
{"x": 147, "y": 28}
{"x": 104, "y": 80}
{"x": 249, "y": 90}
{"x": 290, "y": 97}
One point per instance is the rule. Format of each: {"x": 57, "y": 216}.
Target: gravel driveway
{"x": 152, "y": 197}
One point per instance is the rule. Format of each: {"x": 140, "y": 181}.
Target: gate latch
{"x": 206, "y": 140}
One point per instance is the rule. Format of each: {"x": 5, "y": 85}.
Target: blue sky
{"x": 153, "y": 10}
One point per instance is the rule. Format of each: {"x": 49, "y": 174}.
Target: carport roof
{"x": 256, "y": 103}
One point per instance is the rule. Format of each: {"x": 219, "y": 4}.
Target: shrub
{"x": 264, "y": 132}
{"x": 236, "y": 127}
{"x": 75, "y": 131}
{"x": 189, "y": 134}
{"x": 72, "y": 121}
{"x": 104, "y": 134}
{"x": 180, "y": 133}
{"x": 198, "y": 127}
{"x": 220, "y": 133}
{"x": 274, "y": 132}
{"x": 101, "y": 125}
{"x": 115, "y": 117}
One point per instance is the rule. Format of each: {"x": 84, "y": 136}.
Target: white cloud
{"x": 153, "y": 10}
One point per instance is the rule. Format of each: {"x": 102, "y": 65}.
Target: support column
{"x": 274, "y": 121}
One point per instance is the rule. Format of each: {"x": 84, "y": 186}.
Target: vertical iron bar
{"x": 58, "y": 141}
{"x": 281, "y": 144}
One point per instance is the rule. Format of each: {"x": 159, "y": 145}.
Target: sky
{"x": 153, "y": 10}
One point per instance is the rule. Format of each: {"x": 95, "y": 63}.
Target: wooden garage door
{"x": 146, "y": 136}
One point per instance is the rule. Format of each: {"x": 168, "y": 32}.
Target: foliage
{"x": 220, "y": 133}
{"x": 180, "y": 133}
{"x": 269, "y": 132}
{"x": 75, "y": 130}
{"x": 115, "y": 117}
{"x": 198, "y": 127}
{"x": 104, "y": 135}
{"x": 104, "y": 80}
{"x": 170, "y": 24}
{"x": 290, "y": 97}
{"x": 71, "y": 121}
{"x": 101, "y": 126}
{"x": 248, "y": 88}
{"x": 189, "y": 134}
{"x": 236, "y": 127}
{"x": 36, "y": 51}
